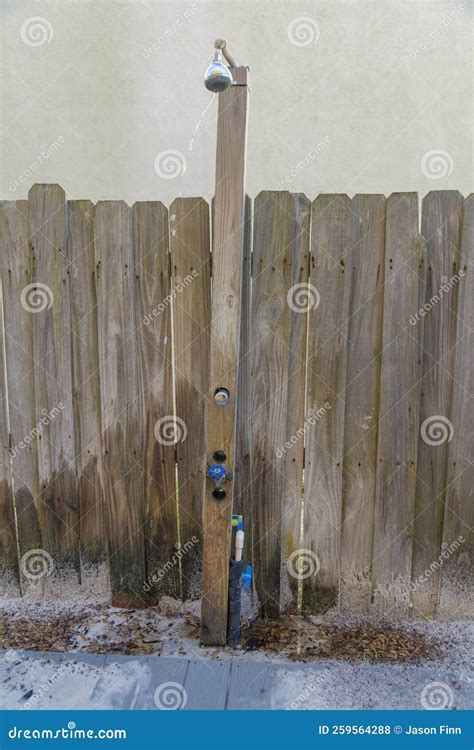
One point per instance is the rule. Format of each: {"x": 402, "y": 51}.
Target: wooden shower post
{"x": 227, "y": 253}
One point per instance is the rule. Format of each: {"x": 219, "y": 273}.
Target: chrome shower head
{"x": 218, "y": 77}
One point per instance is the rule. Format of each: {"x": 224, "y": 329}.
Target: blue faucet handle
{"x": 216, "y": 471}
{"x": 247, "y": 576}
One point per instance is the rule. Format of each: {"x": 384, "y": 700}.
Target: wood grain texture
{"x": 456, "y": 597}
{"x": 122, "y": 436}
{"x": 191, "y": 279}
{"x": 331, "y": 266}
{"x": 400, "y": 385}
{"x": 53, "y": 381}
{"x": 361, "y": 397}
{"x": 441, "y": 227}
{"x": 243, "y": 446}
{"x": 151, "y": 247}
{"x": 21, "y": 448}
{"x": 279, "y": 316}
{"x": 86, "y": 384}
{"x": 227, "y": 253}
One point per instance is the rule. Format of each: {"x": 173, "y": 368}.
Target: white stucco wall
{"x": 380, "y": 85}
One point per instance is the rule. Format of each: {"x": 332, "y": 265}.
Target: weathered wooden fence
{"x": 355, "y": 426}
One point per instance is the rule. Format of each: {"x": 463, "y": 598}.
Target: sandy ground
{"x": 41, "y": 681}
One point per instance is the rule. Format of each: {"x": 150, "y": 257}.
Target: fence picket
{"x": 399, "y": 401}
{"x": 53, "y": 382}
{"x": 21, "y": 449}
{"x": 441, "y": 227}
{"x": 85, "y": 366}
{"x": 361, "y": 396}
{"x": 279, "y": 311}
{"x": 331, "y": 238}
{"x": 190, "y": 268}
{"x": 458, "y": 538}
{"x": 151, "y": 246}
{"x": 122, "y": 440}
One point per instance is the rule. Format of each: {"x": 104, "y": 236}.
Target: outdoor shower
{"x": 218, "y": 77}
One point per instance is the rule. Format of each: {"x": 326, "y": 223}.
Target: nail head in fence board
{"x": 456, "y": 599}
{"x": 85, "y": 367}
{"x": 331, "y": 266}
{"x": 151, "y": 245}
{"x": 53, "y": 381}
{"x": 17, "y": 268}
{"x": 122, "y": 432}
{"x": 361, "y": 396}
{"x": 227, "y": 252}
{"x": 280, "y": 262}
{"x": 399, "y": 407}
{"x": 191, "y": 278}
{"x": 441, "y": 227}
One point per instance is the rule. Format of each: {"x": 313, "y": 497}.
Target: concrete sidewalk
{"x": 36, "y": 680}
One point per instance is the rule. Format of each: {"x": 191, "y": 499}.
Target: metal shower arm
{"x": 221, "y": 44}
